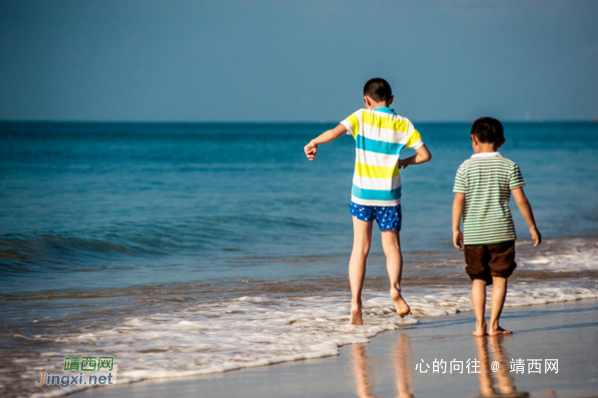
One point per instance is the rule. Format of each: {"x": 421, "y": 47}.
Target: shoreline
{"x": 387, "y": 365}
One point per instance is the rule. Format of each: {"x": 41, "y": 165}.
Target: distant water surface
{"x": 200, "y": 239}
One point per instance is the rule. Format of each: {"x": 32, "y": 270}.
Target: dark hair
{"x": 377, "y": 89}
{"x": 488, "y": 130}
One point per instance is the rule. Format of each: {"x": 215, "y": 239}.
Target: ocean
{"x": 184, "y": 249}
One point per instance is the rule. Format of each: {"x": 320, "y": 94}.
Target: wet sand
{"x": 424, "y": 361}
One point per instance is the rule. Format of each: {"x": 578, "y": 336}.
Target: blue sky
{"x": 278, "y": 60}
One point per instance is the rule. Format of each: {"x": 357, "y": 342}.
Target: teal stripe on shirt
{"x": 372, "y": 194}
{"x": 386, "y": 148}
{"x": 384, "y": 109}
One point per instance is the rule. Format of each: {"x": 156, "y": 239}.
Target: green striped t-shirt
{"x": 487, "y": 179}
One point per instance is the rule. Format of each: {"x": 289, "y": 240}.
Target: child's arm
{"x": 311, "y": 149}
{"x": 422, "y": 155}
{"x": 528, "y": 215}
{"x": 458, "y": 205}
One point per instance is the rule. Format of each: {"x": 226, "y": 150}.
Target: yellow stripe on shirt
{"x": 366, "y": 170}
{"x": 354, "y": 124}
{"x": 413, "y": 138}
{"x": 384, "y": 122}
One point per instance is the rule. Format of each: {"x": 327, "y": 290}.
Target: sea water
{"x": 183, "y": 249}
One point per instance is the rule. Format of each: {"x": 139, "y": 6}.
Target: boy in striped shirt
{"x": 379, "y": 135}
{"x": 483, "y": 186}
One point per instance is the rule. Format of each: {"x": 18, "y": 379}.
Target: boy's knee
{"x": 392, "y": 251}
{"x": 362, "y": 249}
{"x": 391, "y": 240}
{"x": 479, "y": 282}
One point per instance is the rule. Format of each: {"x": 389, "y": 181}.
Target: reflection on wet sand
{"x": 361, "y": 372}
{"x": 402, "y": 360}
{"x": 402, "y": 363}
{"x": 499, "y": 366}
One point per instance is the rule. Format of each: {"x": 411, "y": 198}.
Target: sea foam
{"x": 260, "y": 330}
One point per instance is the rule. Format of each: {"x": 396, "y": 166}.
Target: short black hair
{"x": 377, "y": 89}
{"x": 488, "y": 130}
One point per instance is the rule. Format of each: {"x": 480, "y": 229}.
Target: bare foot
{"x": 499, "y": 331}
{"x": 480, "y": 330}
{"x": 400, "y": 304}
{"x": 356, "y": 318}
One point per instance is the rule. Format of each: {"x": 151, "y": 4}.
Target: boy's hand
{"x": 422, "y": 155}
{"x": 528, "y": 215}
{"x": 458, "y": 205}
{"x": 458, "y": 240}
{"x": 536, "y": 236}
{"x": 311, "y": 151}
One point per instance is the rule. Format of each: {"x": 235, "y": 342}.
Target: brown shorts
{"x": 486, "y": 261}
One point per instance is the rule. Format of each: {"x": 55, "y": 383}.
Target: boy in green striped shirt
{"x": 483, "y": 187}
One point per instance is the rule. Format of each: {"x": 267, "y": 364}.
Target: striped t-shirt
{"x": 379, "y": 135}
{"x": 487, "y": 179}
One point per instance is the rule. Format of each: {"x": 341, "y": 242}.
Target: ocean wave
{"x": 184, "y": 329}
{"x": 22, "y": 253}
{"x": 565, "y": 255}
{"x": 203, "y": 236}
{"x": 262, "y": 330}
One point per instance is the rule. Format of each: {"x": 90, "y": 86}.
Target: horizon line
{"x": 592, "y": 120}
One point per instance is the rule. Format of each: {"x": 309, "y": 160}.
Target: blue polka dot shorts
{"x": 387, "y": 217}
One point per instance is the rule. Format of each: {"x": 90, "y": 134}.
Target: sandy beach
{"x": 552, "y": 353}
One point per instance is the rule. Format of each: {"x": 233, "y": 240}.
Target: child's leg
{"x": 394, "y": 265}
{"x": 499, "y": 294}
{"x": 478, "y": 298}
{"x": 362, "y": 241}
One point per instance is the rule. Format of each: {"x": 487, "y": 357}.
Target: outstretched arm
{"x": 311, "y": 149}
{"x": 422, "y": 155}
{"x": 528, "y": 215}
{"x": 458, "y": 205}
